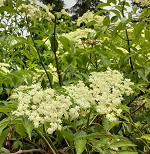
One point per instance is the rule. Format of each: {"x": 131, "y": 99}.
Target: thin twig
{"x": 30, "y": 151}
{"x": 129, "y": 50}
{"x": 137, "y": 96}
{"x": 138, "y": 109}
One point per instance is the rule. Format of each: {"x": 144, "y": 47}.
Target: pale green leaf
{"x": 146, "y": 136}
{"x": 80, "y": 145}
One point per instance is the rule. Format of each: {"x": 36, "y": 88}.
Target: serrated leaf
{"x": 3, "y": 125}
{"x": 146, "y": 136}
{"x": 28, "y": 125}
{"x": 68, "y": 135}
{"x": 122, "y": 143}
{"x": 80, "y": 145}
{"x": 20, "y": 130}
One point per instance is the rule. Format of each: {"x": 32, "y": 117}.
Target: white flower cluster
{"x": 33, "y": 10}
{"x": 143, "y": 2}
{"x": 41, "y": 106}
{"x": 3, "y": 68}
{"x": 103, "y": 95}
{"x": 76, "y": 36}
{"x": 63, "y": 11}
{"x": 88, "y": 17}
{"x": 48, "y": 15}
{"x": 30, "y": 10}
{"x": 108, "y": 89}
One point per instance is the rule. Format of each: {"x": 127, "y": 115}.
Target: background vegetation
{"x": 45, "y": 57}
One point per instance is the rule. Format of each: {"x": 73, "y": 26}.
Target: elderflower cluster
{"x": 63, "y": 11}
{"x": 48, "y": 15}
{"x": 143, "y": 2}
{"x": 3, "y": 68}
{"x": 89, "y": 17}
{"x": 108, "y": 89}
{"x": 41, "y": 106}
{"x": 30, "y": 10}
{"x": 102, "y": 95}
{"x": 78, "y": 35}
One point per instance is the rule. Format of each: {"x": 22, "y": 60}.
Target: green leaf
{"x": 122, "y": 143}
{"x": 114, "y": 19}
{"x": 106, "y": 21}
{"x": 3, "y": 137}
{"x": 67, "y": 44}
{"x": 5, "y": 151}
{"x": 126, "y": 152}
{"x": 91, "y": 23}
{"x": 3, "y": 125}
{"x": 102, "y": 5}
{"x": 34, "y": 51}
{"x": 117, "y": 13}
{"x": 20, "y": 129}
{"x": 147, "y": 35}
{"x": 84, "y": 60}
{"x": 7, "y": 9}
{"x": 101, "y": 12}
{"x": 113, "y": 125}
{"x": 54, "y": 43}
{"x": 138, "y": 29}
{"x": 68, "y": 135}
{"x": 80, "y": 145}
{"x": 146, "y": 136}
{"x": 98, "y": 135}
{"x": 147, "y": 71}
{"x": 105, "y": 61}
{"x": 5, "y": 110}
{"x": 18, "y": 3}
{"x": 28, "y": 125}
{"x": 17, "y": 144}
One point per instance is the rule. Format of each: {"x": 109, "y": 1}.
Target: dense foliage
{"x": 74, "y": 87}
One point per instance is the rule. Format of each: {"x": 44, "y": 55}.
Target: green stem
{"x": 49, "y": 139}
{"x": 88, "y": 121}
{"x": 46, "y": 141}
{"x": 40, "y": 58}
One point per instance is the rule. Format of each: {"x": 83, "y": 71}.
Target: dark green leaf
{"x": 54, "y": 43}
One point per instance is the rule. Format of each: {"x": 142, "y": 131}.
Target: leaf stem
{"x": 45, "y": 140}
{"x": 56, "y": 58}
